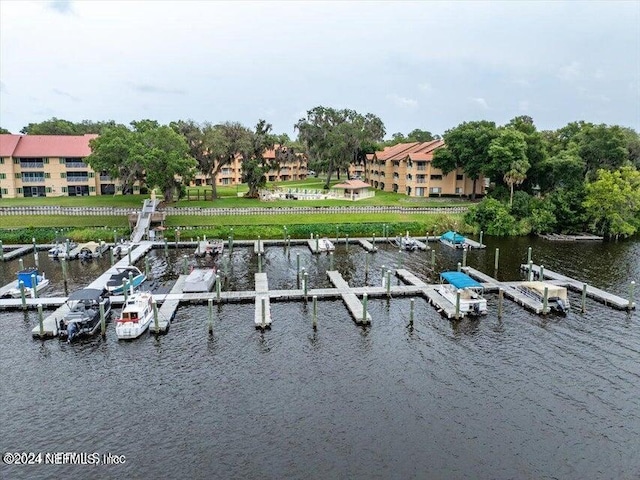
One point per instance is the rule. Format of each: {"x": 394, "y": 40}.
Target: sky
{"x": 422, "y": 64}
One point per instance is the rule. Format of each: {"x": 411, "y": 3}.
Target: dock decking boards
{"x": 262, "y": 317}
{"x": 354, "y": 305}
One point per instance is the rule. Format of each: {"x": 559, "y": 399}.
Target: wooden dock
{"x": 409, "y": 277}
{"x": 355, "y": 307}
{"x": 421, "y": 245}
{"x": 168, "y": 309}
{"x": 313, "y": 245}
{"x": 16, "y": 252}
{"x": 557, "y": 237}
{"x": 258, "y": 247}
{"x": 441, "y": 304}
{"x": 367, "y": 245}
{"x": 262, "y": 316}
{"x": 595, "y": 293}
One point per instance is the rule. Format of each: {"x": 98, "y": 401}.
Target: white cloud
{"x": 481, "y": 102}
{"x": 570, "y": 72}
{"x": 402, "y": 102}
{"x": 425, "y": 87}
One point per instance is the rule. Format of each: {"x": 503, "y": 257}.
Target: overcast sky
{"x": 427, "y": 65}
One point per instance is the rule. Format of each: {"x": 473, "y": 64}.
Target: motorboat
{"x": 121, "y": 274}
{"x": 471, "y": 300}
{"x": 33, "y": 280}
{"x": 210, "y": 248}
{"x": 123, "y": 248}
{"x": 557, "y": 299}
{"x": 135, "y": 317}
{"x": 83, "y": 317}
{"x": 325, "y": 245}
{"x": 406, "y": 243}
{"x": 453, "y": 239}
{"x": 88, "y": 251}
{"x": 60, "y": 250}
{"x": 199, "y": 280}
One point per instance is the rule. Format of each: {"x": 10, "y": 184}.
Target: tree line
{"x": 581, "y": 177}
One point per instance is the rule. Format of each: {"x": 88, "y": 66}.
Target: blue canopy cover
{"x": 460, "y": 280}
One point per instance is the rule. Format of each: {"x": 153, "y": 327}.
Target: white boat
{"x": 88, "y": 250}
{"x": 406, "y": 243}
{"x": 453, "y": 239}
{"x": 471, "y": 300}
{"x": 557, "y": 299}
{"x": 199, "y": 280}
{"x": 31, "y": 278}
{"x": 135, "y": 317}
{"x": 123, "y": 248}
{"x": 59, "y": 250}
{"x": 209, "y": 247}
{"x": 325, "y": 245}
{"x": 83, "y": 317}
{"x": 121, "y": 274}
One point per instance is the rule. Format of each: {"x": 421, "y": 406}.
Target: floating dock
{"x": 262, "y": 317}
{"x": 16, "y": 252}
{"x": 258, "y": 247}
{"x": 367, "y": 245}
{"x": 355, "y": 307}
{"x": 168, "y": 309}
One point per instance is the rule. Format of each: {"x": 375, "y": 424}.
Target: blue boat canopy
{"x": 25, "y": 276}
{"x": 452, "y": 237}
{"x": 460, "y": 280}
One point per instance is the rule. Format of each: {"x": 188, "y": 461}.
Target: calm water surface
{"x": 522, "y": 397}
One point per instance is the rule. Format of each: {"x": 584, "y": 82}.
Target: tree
{"x": 334, "y": 138}
{"x": 4, "y": 131}
{"x": 613, "y": 202}
{"x": 146, "y": 152}
{"x": 254, "y": 163}
{"x": 466, "y": 146}
{"x": 508, "y": 154}
{"x": 602, "y": 146}
{"x": 58, "y": 126}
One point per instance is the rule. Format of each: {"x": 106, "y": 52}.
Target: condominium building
{"x": 407, "y": 168}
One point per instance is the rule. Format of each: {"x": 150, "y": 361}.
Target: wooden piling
{"x": 305, "y": 284}
{"x": 433, "y": 259}
{"x": 147, "y": 268}
{"x": 166, "y": 248}
{"x": 500, "y": 301}
{"x": 111, "y": 259}
{"x": 298, "y": 264}
{"x": 631, "y": 288}
{"x": 545, "y": 300}
{"x": 103, "y": 320}
{"x": 1, "y": 251}
{"x": 497, "y": 259}
{"x": 259, "y": 262}
{"x": 210, "y": 304}
{"x": 388, "y": 283}
{"x": 459, "y": 266}
{"x": 464, "y": 257}
{"x": 40, "y": 320}
{"x": 457, "y": 304}
{"x": 34, "y": 286}
{"x": 185, "y": 267}
{"x": 21, "y": 264}
{"x": 218, "y": 288}
{"x": 364, "y": 308}
{"x": 35, "y": 247}
{"x": 330, "y": 260}
{"x": 23, "y": 297}
{"x": 399, "y": 259}
{"x": 411, "y": 305}
{"x": 584, "y": 297}
{"x": 541, "y": 273}
{"x": 315, "y": 312}
{"x": 264, "y": 312}
{"x": 155, "y": 316}
{"x": 481, "y": 233}
{"x": 529, "y": 255}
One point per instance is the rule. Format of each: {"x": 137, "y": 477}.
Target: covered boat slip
{"x": 553, "y": 291}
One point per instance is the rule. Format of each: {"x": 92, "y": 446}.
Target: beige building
{"x": 407, "y": 168}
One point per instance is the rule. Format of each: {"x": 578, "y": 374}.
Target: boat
{"x": 557, "y": 299}
{"x": 199, "y": 280}
{"x": 453, "y": 239}
{"x": 471, "y": 299}
{"x": 87, "y": 251}
{"x": 135, "y": 317}
{"x": 31, "y": 278}
{"x": 123, "y": 248}
{"x": 121, "y": 274}
{"x": 406, "y": 243}
{"x": 325, "y": 245}
{"x": 209, "y": 247}
{"x": 83, "y": 317}
{"x": 60, "y": 250}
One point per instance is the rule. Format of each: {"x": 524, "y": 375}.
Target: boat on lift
{"x": 33, "y": 280}
{"x": 325, "y": 245}
{"x": 83, "y": 317}
{"x": 121, "y": 274}
{"x": 453, "y": 239}
{"x": 60, "y": 250}
{"x": 557, "y": 299}
{"x": 123, "y": 247}
{"x": 406, "y": 243}
{"x": 136, "y": 316}
{"x": 471, "y": 300}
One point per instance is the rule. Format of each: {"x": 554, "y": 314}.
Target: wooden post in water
{"x": 1, "y": 251}
{"x": 366, "y": 265}
{"x": 21, "y": 264}
{"x": 584, "y": 297}
{"x": 68, "y": 245}
{"x": 500, "y": 301}
{"x": 198, "y": 246}
{"x": 259, "y": 242}
{"x": 36, "y": 259}
{"x": 347, "y": 240}
{"x": 528, "y": 255}
{"x": 459, "y": 266}
{"x": 411, "y": 305}
{"x": 210, "y": 304}
{"x": 131, "y": 280}
{"x": 115, "y": 237}
{"x": 147, "y": 268}
{"x": 530, "y": 277}
{"x": 259, "y": 262}
{"x": 631, "y": 288}
{"x": 330, "y": 260}
{"x": 545, "y": 300}
{"x": 284, "y": 235}
{"x": 305, "y": 284}
{"x": 541, "y": 274}
{"x": 433, "y": 259}
{"x": 40, "y": 320}
{"x": 364, "y": 308}
{"x": 124, "y": 290}
{"x": 374, "y": 241}
{"x": 23, "y": 297}
{"x": 35, "y": 247}
{"x": 103, "y": 320}
{"x": 218, "y": 288}
{"x": 315, "y": 313}
{"x": 185, "y": 267}
{"x": 298, "y": 264}
{"x": 63, "y": 262}
{"x": 388, "y": 283}
{"x": 481, "y": 232}
{"x": 111, "y": 259}
{"x": 166, "y": 248}
{"x": 177, "y": 237}
{"x": 497, "y": 259}
{"x": 464, "y": 257}
{"x": 457, "y": 304}
{"x": 34, "y": 286}
{"x": 399, "y": 258}
{"x": 155, "y": 316}
{"x": 264, "y": 313}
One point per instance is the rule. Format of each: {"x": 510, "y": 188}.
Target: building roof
{"x": 352, "y": 184}
{"x": 45, "y": 145}
{"x": 414, "y": 151}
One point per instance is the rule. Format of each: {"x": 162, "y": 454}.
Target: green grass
{"x": 124, "y": 201}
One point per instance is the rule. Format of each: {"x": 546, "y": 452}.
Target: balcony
{"x": 32, "y": 178}
{"x": 76, "y": 165}
{"x": 77, "y": 178}
{"x": 105, "y": 178}
{"x": 31, "y": 164}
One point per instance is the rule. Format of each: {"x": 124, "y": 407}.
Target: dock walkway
{"x": 262, "y": 316}
{"x": 367, "y": 245}
{"x": 168, "y": 309}
{"x": 355, "y": 307}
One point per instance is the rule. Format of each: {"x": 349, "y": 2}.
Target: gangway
{"x": 144, "y": 220}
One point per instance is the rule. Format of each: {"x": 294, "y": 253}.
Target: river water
{"x": 522, "y": 397}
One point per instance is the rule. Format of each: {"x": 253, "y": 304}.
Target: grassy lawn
{"x": 60, "y": 221}
{"x": 123, "y": 201}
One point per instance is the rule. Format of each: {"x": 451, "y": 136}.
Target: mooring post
{"x": 631, "y": 288}
{"x": 374, "y": 241}
{"x": 541, "y": 273}
{"x": 337, "y": 237}
{"x": 115, "y": 237}
{"x": 21, "y": 264}
{"x": 481, "y": 233}
{"x": 347, "y": 240}
{"x": 288, "y": 242}
{"x": 225, "y": 263}
{"x": 330, "y": 260}
{"x": 317, "y": 244}
{"x": 364, "y": 308}
{"x": 147, "y": 267}
{"x": 63, "y": 262}
{"x": 177, "y": 237}
{"x": 259, "y": 243}
{"x": 584, "y": 297}
{"x": 210, "y": 304}
{"x": 459, "y": 266}
{"x": 23, "y": 297}
{"x": 388, "y": 283}
{"x": 399, "y": 258}
{"x": 1, "y": 251}
{"x": 545, "y": 300}
{"x": 315, "y": 312}
{"x": 500, "y": 301}
{"x": 35, "y": 247}
{"x": 68, "y": 247}
{"x": 528, "y": 255}
{"x": 218, "y": 288}
{"x": 34, "y": 286}
{"x": 384, "y": 272}
{"x": 457, "y": 304}
{"x": 497, "y": 259}
{"x": 264, "y": 313}
{"x": 155, "y": 316}
{"x": 464, "y": 257}
{"x": 36, "y": 259}
{"x": 366, "y": 265}
{"x": 411, "y": 305}
{"x": 185, "y": 268}
{"x": 530, "y": 277}
{"x": 166, "y": 248}
{"x": 230, "y": 242}
{"x": 40, "y": 320}
{"x": 433, "y": 258}
{"x": 111, "y": 259}
{"x": 131, "y": 279}
{"x": 103, "y": 320}
{"x": 284, "y": 235}
{"x": 129, "y": 255}
{"x": 305, "y": 284}
{"x": 298, "y": 264}
{"x": 198, "y": 246}
{"x": 259, "y": 262}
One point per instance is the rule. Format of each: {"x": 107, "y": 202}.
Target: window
{"x": 459, "y": 177}
{"x": 435, "y": 190}
{"x": 32, "y": 177}
{"x": 419, "y": 191}
{"x": 420, "y": 179}
{"x": 1, "y": 161}
{"x": 31, "y": 162}
{"x": 16, "y": 161}
{"x": 92, "y": 189}
{"x": 5, "y": 191}
{"x": 62, "y": 161}
{"x": 459, "y": 190}
{"x": 49, "y": 190}
{"x": 436, "y": 177}
{"x": 45, "y": 161}
{"x": 3, "y": 176}
{"x": 19, "y": 190}
{"x": 18, "y": 175}
{"x": 76, "y": 176}
{"x": 47, "y": 175}
{"x": 65, "y": 189}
